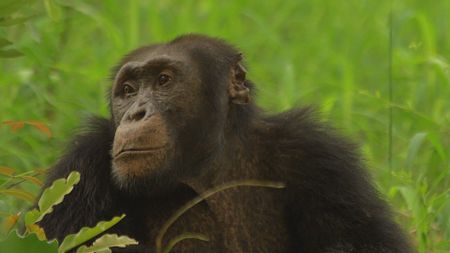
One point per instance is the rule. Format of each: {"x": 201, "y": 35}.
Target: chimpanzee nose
{"x": 137, "y": 114}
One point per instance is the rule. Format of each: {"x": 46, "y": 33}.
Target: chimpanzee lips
{"x": 140, "y": 138}
{"x": 138, "y": 151}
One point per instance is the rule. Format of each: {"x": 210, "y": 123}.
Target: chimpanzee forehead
{"x": 153, "y": 54}
{"x": 162, "y": 51}
{"x": 186, "y": 48}
{"x": 191, "y": 49}
{"x": 152, "y": 65}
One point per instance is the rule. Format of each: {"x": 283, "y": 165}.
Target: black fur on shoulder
{"x": 88, "y": 153}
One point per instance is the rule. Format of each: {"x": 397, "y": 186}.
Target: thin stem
{"x": 390, "y": 120}
{"x": 205, "y": 195}
{"x": 182, "y": 237}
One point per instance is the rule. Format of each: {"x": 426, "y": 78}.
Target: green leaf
{"x": 10, "y": 53}
{"x": 413, "y": 201}
{"x": 53, "y": 10}
{"x": 4, "y": 42}
{"x": 104, "y": 243}
{"x": 7, "y": 21}
{"x": 8, "y": 7}
{"x": 18, "y": 193}
{"x": 51, "y": 197}
{"x": 15, "y": 243}
{"x": 87, "y": 233}
{"x": 413, "y": 148}
{"x": 438, "y": 145}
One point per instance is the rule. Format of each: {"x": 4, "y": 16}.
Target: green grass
{"x": 334, "y": 54}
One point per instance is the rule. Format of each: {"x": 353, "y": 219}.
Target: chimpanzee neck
{"x": 221, "y": 166}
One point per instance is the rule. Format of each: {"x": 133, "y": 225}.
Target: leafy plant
{"x": 105, "y": 242}
{"x": 73, "y": 240}
{"x": 35, "y": 235}
{"x": 7, "y": 10}
{"x": 51, "y": 197}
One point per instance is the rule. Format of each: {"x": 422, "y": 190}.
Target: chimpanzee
{"x": 183, "y": 120}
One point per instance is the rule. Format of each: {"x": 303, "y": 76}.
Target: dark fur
{"x": 329, "y": 203}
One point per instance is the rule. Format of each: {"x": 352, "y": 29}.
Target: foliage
{"x": 7, "y": 10}
{"x": 105, "y": 242}
{"x": 52, "y": 196}
{"x": 334, "y": 54}
{"x": 34, "y": 237}
{"x": 85, "y": 234}
{"x": 31, "y": 243}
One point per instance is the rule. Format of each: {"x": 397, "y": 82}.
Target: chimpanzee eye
{"x": 128, "y": 90}
{"x": 163, "y": 79}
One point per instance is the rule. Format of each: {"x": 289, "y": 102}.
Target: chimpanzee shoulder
{"x": 88, "y": 153}
{"x": 327, "y": 185}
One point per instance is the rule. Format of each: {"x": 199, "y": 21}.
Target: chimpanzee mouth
{"x": 138, "y": 151}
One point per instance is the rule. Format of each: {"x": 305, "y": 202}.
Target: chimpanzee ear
{"x": 237, "y": 89}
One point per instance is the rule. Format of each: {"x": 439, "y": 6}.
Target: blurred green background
{"x": 379, "y": 70}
